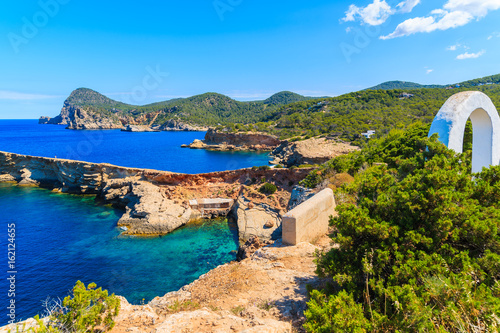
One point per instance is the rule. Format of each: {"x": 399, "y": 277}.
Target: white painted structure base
{"x": 450, "y": 123}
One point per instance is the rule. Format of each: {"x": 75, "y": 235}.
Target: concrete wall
{"x": 310, "y": 219}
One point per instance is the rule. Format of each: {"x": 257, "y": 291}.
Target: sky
{"x": 146, "y": 51}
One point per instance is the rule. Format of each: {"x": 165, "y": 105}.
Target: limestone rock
{"x": 147, "y": 210}
{"x": 299, "y": 195}
{"x": 224, "y": 141}
{"x": 311, "y": 151}
{"x": 253, "y": 244}
{"x": 252, "y": 221}
{"x": 176, "y": 125}
{"x": 138, "y": 128}
{"x": 203, "y": 319}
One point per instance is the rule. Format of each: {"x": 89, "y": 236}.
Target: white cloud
{"x": 468, "y": 55}
{"x": 477, "y": 8}
{"x": 407, "y": 6}
{"x": 430, "y": 24}
{"x": 429, "y": 71}
{"x": 375, "y": 13}
{"x": 13, "y": 95}
{"x": 455, "y": 13}
{"x": 457, "y": 46}
{"x": 494, "y": 35}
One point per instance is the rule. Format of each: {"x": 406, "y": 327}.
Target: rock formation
{"x": 82, "y": 119}
{"x": 225, "y": 141}
{"x": 178, "y": 126}
{"x": 252, "y": 219}
{"x": 155, "y": 202}
{"x": 311, "y": 151}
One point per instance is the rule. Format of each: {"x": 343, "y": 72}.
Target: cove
{"x": 63, "y": 238}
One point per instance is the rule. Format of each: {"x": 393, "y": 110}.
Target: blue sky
{"x": 148, "y": 51}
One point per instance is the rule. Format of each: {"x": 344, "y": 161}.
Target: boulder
{"x": 252, "y": 219}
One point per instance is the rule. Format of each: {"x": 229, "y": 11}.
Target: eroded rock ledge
{"x": 225, "y": 141}
{"x": 156, "y": 202}
{"x": 310, "y": 151}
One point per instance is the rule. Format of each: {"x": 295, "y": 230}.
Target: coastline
{"x": 157, "y": 202}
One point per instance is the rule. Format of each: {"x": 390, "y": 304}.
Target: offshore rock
{"x": 225, "y": 141}
{"x": 311, "y": 151}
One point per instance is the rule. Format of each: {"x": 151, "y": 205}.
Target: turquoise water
{"x": 152, "y": 150}
{"x": 63, "y": 238}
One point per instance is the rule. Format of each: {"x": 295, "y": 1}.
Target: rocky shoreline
{"x": 157, "y": 202}
{"x": 265, "y": 291}
{"x": 81, "y": 118}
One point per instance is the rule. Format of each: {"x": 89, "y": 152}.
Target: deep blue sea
{"x": 61, "y": 238}
{"x": 152, "y": 150}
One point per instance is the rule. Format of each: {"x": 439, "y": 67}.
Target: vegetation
{"x": 419, "y": 248}
{"x": 402, "y": 85}
{"x": 285, "y": 97}
{"x": 268, "y": 189}
{"x": 292, "y": 116}
{"x": 87, "y": 310}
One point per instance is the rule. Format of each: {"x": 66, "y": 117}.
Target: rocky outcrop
{"x": 256, "y": 219}
{"x": 247, "y": 249}
{"x": 147, "y": 210}
{"x": 178, "y": 126}
{"x": 299, "y": 195}
{"x": 82, "y": 119}
{"x": 139, "y": 128}
{"x": 225, "y": 141}
{"x": 154, "y": 202}
{"x": 311, "y": 151}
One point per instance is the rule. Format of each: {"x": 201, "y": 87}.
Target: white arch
{"x": 450, "y": 122}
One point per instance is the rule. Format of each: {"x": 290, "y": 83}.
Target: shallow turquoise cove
{"x": 63, "y": 238}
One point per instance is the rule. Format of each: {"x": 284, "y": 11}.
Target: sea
{"x": 52, "y": 240}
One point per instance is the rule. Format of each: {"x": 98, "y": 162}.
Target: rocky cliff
{"x": 156, "y": 202}
{"x": 82, "y": 118}
{"x": 311, "y": 151}
{"x": 225, "y": 141}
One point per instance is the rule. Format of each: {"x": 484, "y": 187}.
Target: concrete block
{"x": 310, "y": 219}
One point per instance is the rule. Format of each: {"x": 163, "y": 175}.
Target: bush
{"x": 268, "y": 188}
{"x": 419, "y": 246}
{"x": 87, "y": 310}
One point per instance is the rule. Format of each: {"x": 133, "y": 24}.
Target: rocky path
{"x": 264, "y": 293}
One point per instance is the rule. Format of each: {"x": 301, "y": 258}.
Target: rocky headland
{"x": 227, "y": 141}
{"x": 78, "y": 118}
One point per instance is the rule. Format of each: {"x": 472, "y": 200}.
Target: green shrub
{"x": 419, "y": 245}
{"x": 87, "y": 310}
{"x": 268, "y": 188}
{"x": 264, "y": 167}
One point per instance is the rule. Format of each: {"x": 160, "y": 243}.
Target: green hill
{"x": 285, "y": 97}
{"x": 402, "y": 85}
{"x": 208, "y": 109}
